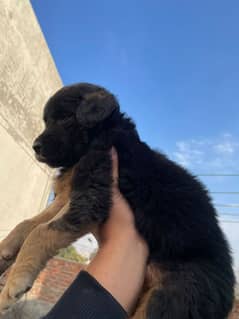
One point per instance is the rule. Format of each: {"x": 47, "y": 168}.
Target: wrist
{"x": 128, "y": 240}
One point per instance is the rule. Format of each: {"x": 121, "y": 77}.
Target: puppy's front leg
{"x": 42, "y": 243}
{"x": 89, "y": 207}
{"x": 10, "y": 246}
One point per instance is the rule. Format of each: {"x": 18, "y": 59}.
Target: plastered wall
{"x": 28, "y": 77}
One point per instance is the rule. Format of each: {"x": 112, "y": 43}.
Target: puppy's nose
{"x": 37, "y": 147}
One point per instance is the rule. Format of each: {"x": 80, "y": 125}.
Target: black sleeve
{"x": 86, "y": 299}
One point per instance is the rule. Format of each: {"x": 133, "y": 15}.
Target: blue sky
{"x": 174, "y": 66}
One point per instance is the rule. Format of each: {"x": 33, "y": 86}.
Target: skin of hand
{"x": 120, "y": 264}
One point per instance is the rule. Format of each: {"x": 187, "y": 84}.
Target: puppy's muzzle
{"x": 37, "y": 146}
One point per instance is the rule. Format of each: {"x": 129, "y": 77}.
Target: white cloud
{"x": 220, "y": 154}
{"x": 227, "y": 134}
{"x": 226, "y": 147}
{"x": 188, "y": 153}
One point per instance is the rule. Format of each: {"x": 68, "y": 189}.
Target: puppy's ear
{"x": 95, "y": 108}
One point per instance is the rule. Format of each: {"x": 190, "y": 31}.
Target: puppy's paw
{"x": 14, "y": 290}
{"x": 10, "y": 246}
{"x": 8, "y": 254}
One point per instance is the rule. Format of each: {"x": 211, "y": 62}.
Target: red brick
{"x": 55, "y": 279}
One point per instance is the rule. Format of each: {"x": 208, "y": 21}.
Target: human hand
{"x": 120, "y": 223}
{"x": 120, "y": 264}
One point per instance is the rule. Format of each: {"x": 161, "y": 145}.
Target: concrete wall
{"x": 28, "y": 77}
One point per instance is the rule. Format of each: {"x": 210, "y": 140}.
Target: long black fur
{"x": 172, "y": 209}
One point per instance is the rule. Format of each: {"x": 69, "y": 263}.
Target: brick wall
{"x": 54, "y": 280}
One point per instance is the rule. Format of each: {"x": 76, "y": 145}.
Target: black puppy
{"x": 172, "y": 209}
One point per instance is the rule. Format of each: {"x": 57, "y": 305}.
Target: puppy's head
{"x": 72, "y": 117}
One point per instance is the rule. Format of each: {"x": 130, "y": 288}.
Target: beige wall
{"x": 28, "y": 77}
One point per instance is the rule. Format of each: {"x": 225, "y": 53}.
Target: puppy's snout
{"x": 37, "y": 146}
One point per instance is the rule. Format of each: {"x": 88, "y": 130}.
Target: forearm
{"x": 86, "y": 299}
{"x": 120, "y": 266}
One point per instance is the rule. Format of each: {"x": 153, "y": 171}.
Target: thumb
{"x": 115, "y": 167}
